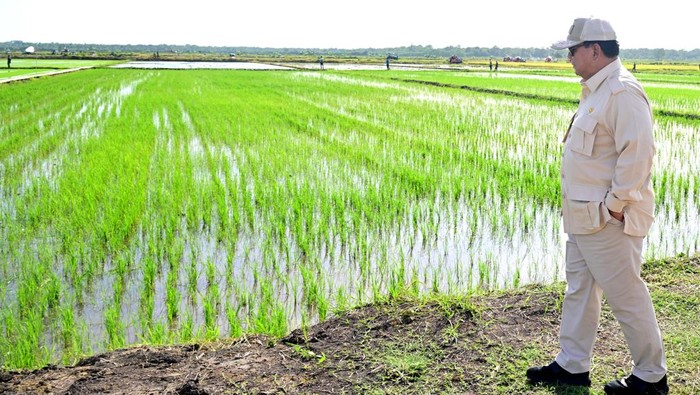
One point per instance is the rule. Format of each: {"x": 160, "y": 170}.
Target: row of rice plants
{"x": 678, "y": 94}
{"x": 210, "y": 203}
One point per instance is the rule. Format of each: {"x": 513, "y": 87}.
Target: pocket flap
{"x": 583, "y": 134}
{"x": 586, "y": 193}
{"x": 585, "y": 123}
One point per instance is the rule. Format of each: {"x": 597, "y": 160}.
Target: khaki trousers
{"x": 609, "y": 262}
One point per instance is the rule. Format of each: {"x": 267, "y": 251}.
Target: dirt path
{"x": 43, "y": 74}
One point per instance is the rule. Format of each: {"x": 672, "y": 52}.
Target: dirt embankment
{"x": 480, "y": 345}
{"x": 395, "y": 345}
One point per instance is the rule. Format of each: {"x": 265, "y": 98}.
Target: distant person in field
{"x": 496, "y": 69}
{"x": 320, "y": 62}
{"x": 607, "y": 210}
{"x": 9, "y": 60}
{"x": 490, "y": 64}
{"x": 387, "y": 63}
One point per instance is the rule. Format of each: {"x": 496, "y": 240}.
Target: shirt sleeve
{"x": 630, "y": 115}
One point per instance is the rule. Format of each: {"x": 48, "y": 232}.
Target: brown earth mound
{"x": 398, "y": 347}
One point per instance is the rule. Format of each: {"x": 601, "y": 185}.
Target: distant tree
{"x": 427, "y": 51}
{"x": 659, "y": 54}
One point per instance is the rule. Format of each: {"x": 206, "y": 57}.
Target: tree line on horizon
{"x": 412, "y": 51}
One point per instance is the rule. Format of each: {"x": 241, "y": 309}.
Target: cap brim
{"x": 565, "y": 44}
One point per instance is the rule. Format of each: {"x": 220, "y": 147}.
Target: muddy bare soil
{"x": 461, "y": 347}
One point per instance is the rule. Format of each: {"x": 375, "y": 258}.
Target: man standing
{"x": 607, "y": 208}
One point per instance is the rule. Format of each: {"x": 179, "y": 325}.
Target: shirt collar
{"x": 594, "y": 82}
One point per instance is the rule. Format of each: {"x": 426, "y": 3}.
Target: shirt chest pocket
{"x": 582, "y": 134}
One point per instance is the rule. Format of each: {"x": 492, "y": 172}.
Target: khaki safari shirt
{"x": 608, "y": 155}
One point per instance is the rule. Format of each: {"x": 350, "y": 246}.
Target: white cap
{"x": 587, "y": 29}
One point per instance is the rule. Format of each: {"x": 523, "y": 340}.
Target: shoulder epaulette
{"x": 616, "y": 86}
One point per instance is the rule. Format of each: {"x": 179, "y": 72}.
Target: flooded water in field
{"x": 178, "y": 65}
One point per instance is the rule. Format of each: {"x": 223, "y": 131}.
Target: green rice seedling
{"x": 118, "y": 290}
{"x": 186, "y": 332}
{"x": 516, "y": 279}
{"x": 341, "y": 301}
{"x": 71, "y": 341}
{"x": 210, "y": 318}
{"x": 28, "y": 349}
{"x": 149, "y": 274}
{"x": 235, "y": 327}
{"x": 8, "y": 338}
{"x": 114, "y": 328}
{"x": 211, "y": 302}
{"x": 157, "y": 334}
{"x": 192, "y": 275}
{"x": 172, "y": 298}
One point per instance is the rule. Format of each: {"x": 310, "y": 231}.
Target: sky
{"x": 669, "y": 24}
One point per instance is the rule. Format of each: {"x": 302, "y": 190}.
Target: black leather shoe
{"x": 555, "y": 374}
{"x": 633, "y": 385}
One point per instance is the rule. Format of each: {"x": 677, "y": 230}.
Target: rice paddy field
{"x": 167, "y": 206}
